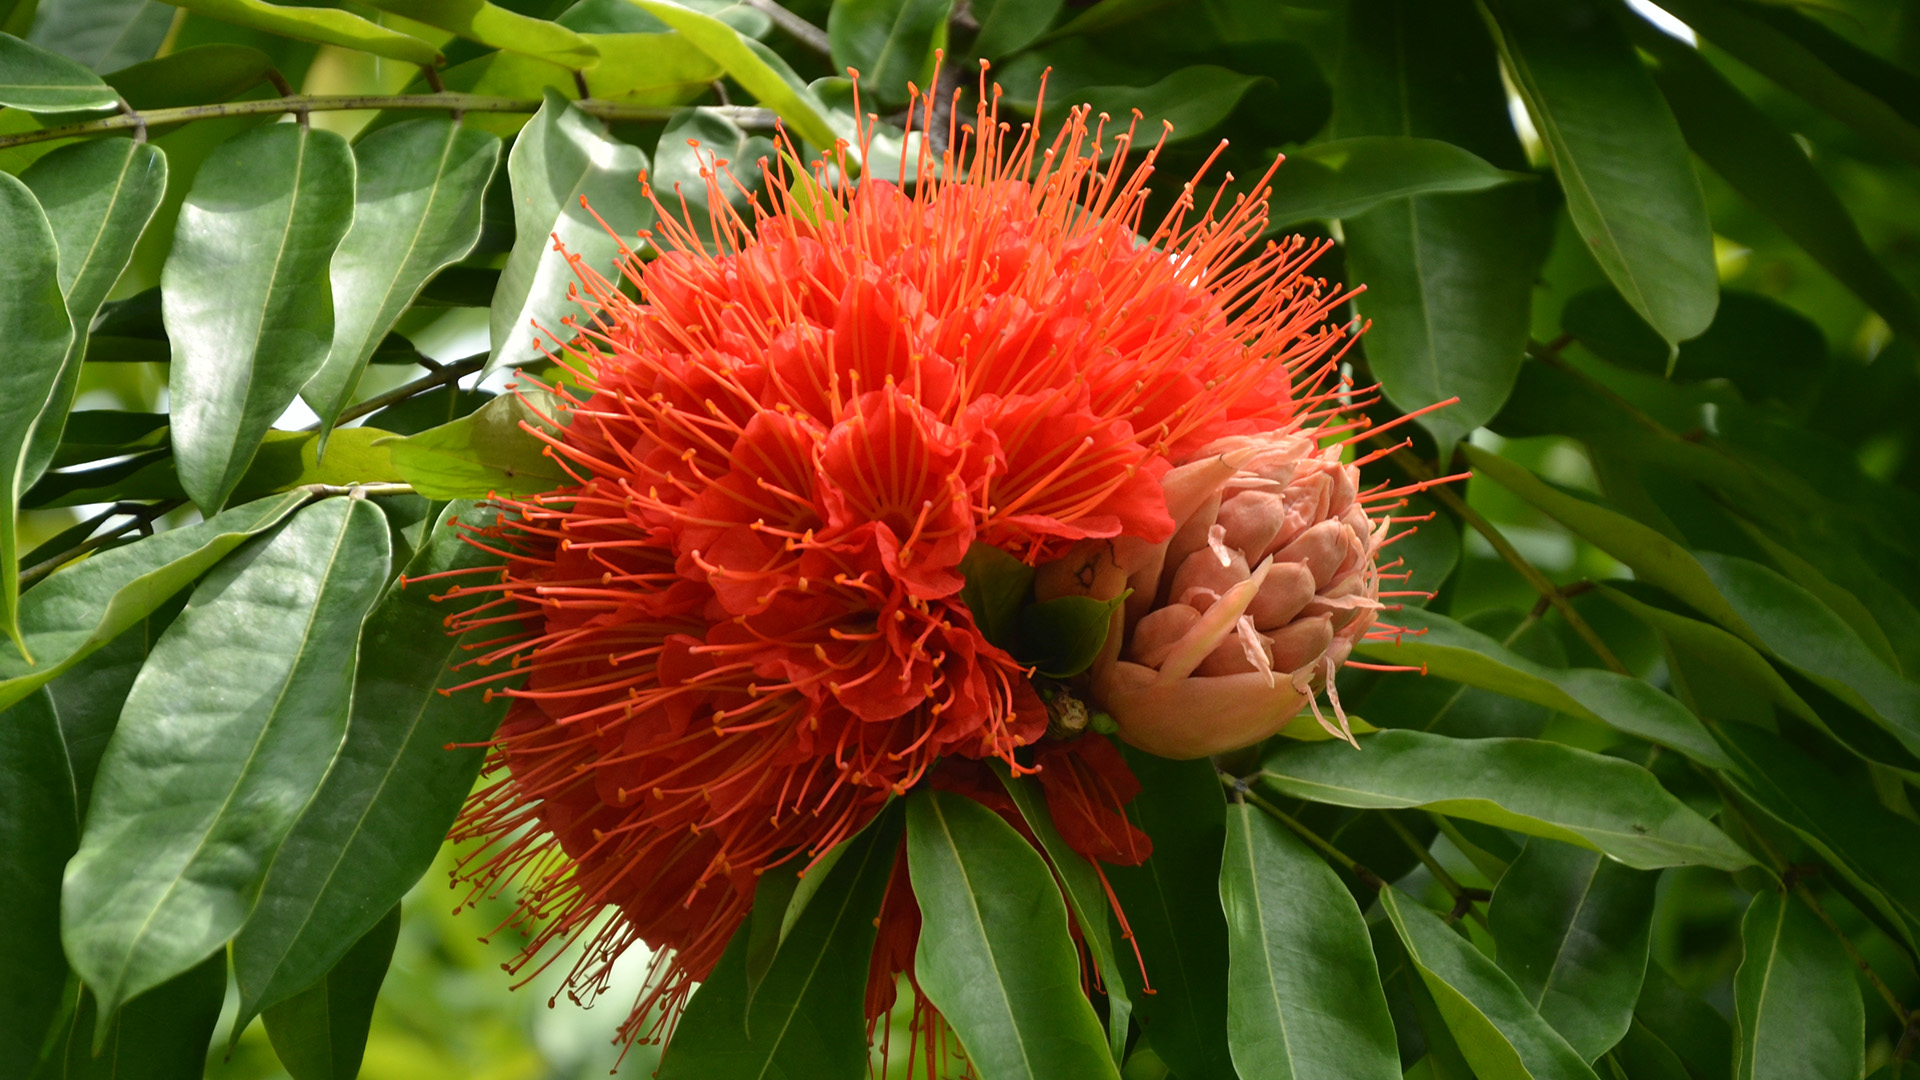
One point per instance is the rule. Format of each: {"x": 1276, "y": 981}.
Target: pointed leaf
{"x": 565, "y": 170}
{"x": 1346, "y": 177}
{"x": 322, "y": 26}
{"x": 487, "y": 452}
{"x": 1499, "y": 1033}
{"x": 1572, "y": 928}
{"x": 247, "y": 304}
{"x": 502, "y": 28}
{"x": 754, "y": 66}
{"x": 1527, "y": 785}
{"x": 98, "y": 196}
{"x": 321, "y": 1032}
{"x": 1691, "y": 1029}
{"x": 890, "y": 42}
{"x": 1797, "y": 1009}
{"x": 160, "y": 1035}
{"x": 1303, "y": 992}
{"x": 223, "y": 742}
{"x": 418, "y": 189}
{"x": 394, "y": 788}
{"x": 994, "y": 954}
{"x": 37, "y": 81}
{"x": 39, "y": 827}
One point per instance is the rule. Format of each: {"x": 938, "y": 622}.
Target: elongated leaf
{"x": 259, "y": 664}
{"x": 1080, "y": 884}
{"x": 1688, "y": 1027}
{"x": 321, "y": 1032}
{"x": 1007, "y": 25}
{"x": 105, "y": 35}
{"x": 39, "y": 827}
{"x": 246, "y": 300}
{"x": 193, "y": 76}
{"x": 751, "y": 64}
{"x": 418, "y": 189}
{"x": 394, "y": 787}
{"x": 1498, "y": 1032}
{"x": 489, "y": 451}
{"x": 323, "y": 26}
{"x": 98, "y": 197}
{"x": 1460, "y": 653}
{"x": 1172, "y": 903}
{"x": 286, "y": 460}
{"x": 890, "y": 42}
{"x": 994, "y": 956}
{"x": 1527, "y": 785}
{"x": 562, "y": 163}
{"x": 1194, "y": 99}
{"x": 502, "y": 28}
{"x": 1713, "y": 671}
{"x": 1303, "y": 990}
{"x": 1572, "y": 928}
{"x": 160, "y": 1035}
{"x": 37, "y": 330}
{"x": 1447, "y": 276}
{"x": 805, "y": 1018}
{"x": 1797, "y": 1010}
{"x": 1346, "y": 177}
{"x": 91, "y": 694}
{"x": 82, "y": 607}
{"x": 38, "y": 81}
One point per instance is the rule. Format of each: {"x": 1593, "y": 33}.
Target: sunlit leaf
{"x": 890, "y": 42}
{"x": 323, "y": 26}
{"x": 38, "y": 81}
{"x": 489, "y": 451}
{"x": 754, "y": 66}
{"x": 500, "y": 27}
{"x": 1345, "y": 177}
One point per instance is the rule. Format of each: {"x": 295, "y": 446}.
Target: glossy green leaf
{"x": 751, "y": 64}
{"x": 806, "y": 1017}
{"x": 997, "y": 586}
{"x": 98, "y": 197}
{"x": 321, "y": 1032}
{"x": 1498, "y": 1032}
{"x": 84, "y": 606}
{"x": 1303, "y": 992}
{"x": 37, "y": 330}
{"x": 562, "y": 164}
{"x": 1797, "y": 1010}
{"x": 193, "y": 76}
{"x": 246, "y": 300}
{"x": 394, "y": 788}
{"x": 1448, "y": 276}
{"x": 322, "y": 26}
{"x": 1572, "y": 928}
{"x": 1692, "y": 1030}
{"x": 1062, "y": 637}
{"x": 442, "y": 405}
{"x": 90, "y": 695}
{"x": 994, "y": 955}
{"x": 418, "y": 187}
{"x": 1346, "y": 177}
{"x": 502, "y": 28}
{"x": 1172, "y": 903}
{"x": 286, "y": 460}
{"x": 260, "y": 663}
{"x": 93, "y": 434}
{"x": 1453, "y": 651}
{"x": 1193, "y": 99}
{"x": 38, "y": 81}
{"x": 1009, "y": 25}
{"x": 486, "y": 452}
{"x": 39, "y": 827}
{"x": 104, "y": 35}
{"x": 1629, "y": 183}
{"x": 1528, "y": 785}
{"x": 1086, "y": 898}
{"x": 889, "y": 42}
{"x": 160, "y": 1035}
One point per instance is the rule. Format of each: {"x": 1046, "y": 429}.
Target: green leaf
{"x": 245, "y": 294}
{"x": 1347, "y": 177}
{"x": 562, "y": 163}
{"x": 1459, "y": 653}
{"x": 84, "y": 606}
{"x": 98, "y": 197}
{"x": 394, "y": 788}
{"x": 1061, "y": 638}
{"x": 806, "y": 1017}
{"x": 37, "y": 331}
{"x": 488, "y": 452}
{"x": 37, "y": 81}
{"x": 1796, "y": 1007}
{"x": 322, "y": 26}
{"x": 102, "y": 34}
{"x": 195, "y": 76}
{"x": 1007, "y": 26}
{"x": 260, "y": 664}
{"x": 1572, "y": 928}
{"x": 286, "y": 460}
{"x": 1080, "y": 883}
{"x": 93, "y": 434}
{"x": 502, "y": 28}
{"x": 677, "y": 165}
{"x": 1766, "y": 166}
{"x": 441, "y": 405}
{"x": 417, "y": 195}
{"x": 1303, "y": 991}
{"x": 1448, "y": 277}
{"x": 1498, "y": 1032}
{"x": 997, "y": 587}
{"x": 890, "y": 42}
{"x": 994, "y": 955}
{"x": 39, "y": 827}
{"x": 160, "y": 1035}
{"x": 321, "y": 1032}
{"x": 1527, "y": 785}
{"x": 1629, "y": 183}
{"x": 1193, "y": 99}
{"x": 1172, "y": 903}
{"x": 754, "y": 66}
{"x": 1688, "y": 1027}
{"x": 91, "y": 694}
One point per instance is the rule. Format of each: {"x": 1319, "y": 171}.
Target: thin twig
{"x": 794, "y": 26}
{"x": 1243, "y": 790}
{"x": 745, "y": 116}
{"x": 141, "y": 519}
{"x": 1462, "y": 897}
{"x": 357, "y": 491}
{"x": 439, "y": 376}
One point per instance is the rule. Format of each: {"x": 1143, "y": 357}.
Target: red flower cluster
{"x": 742, "y": 629}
